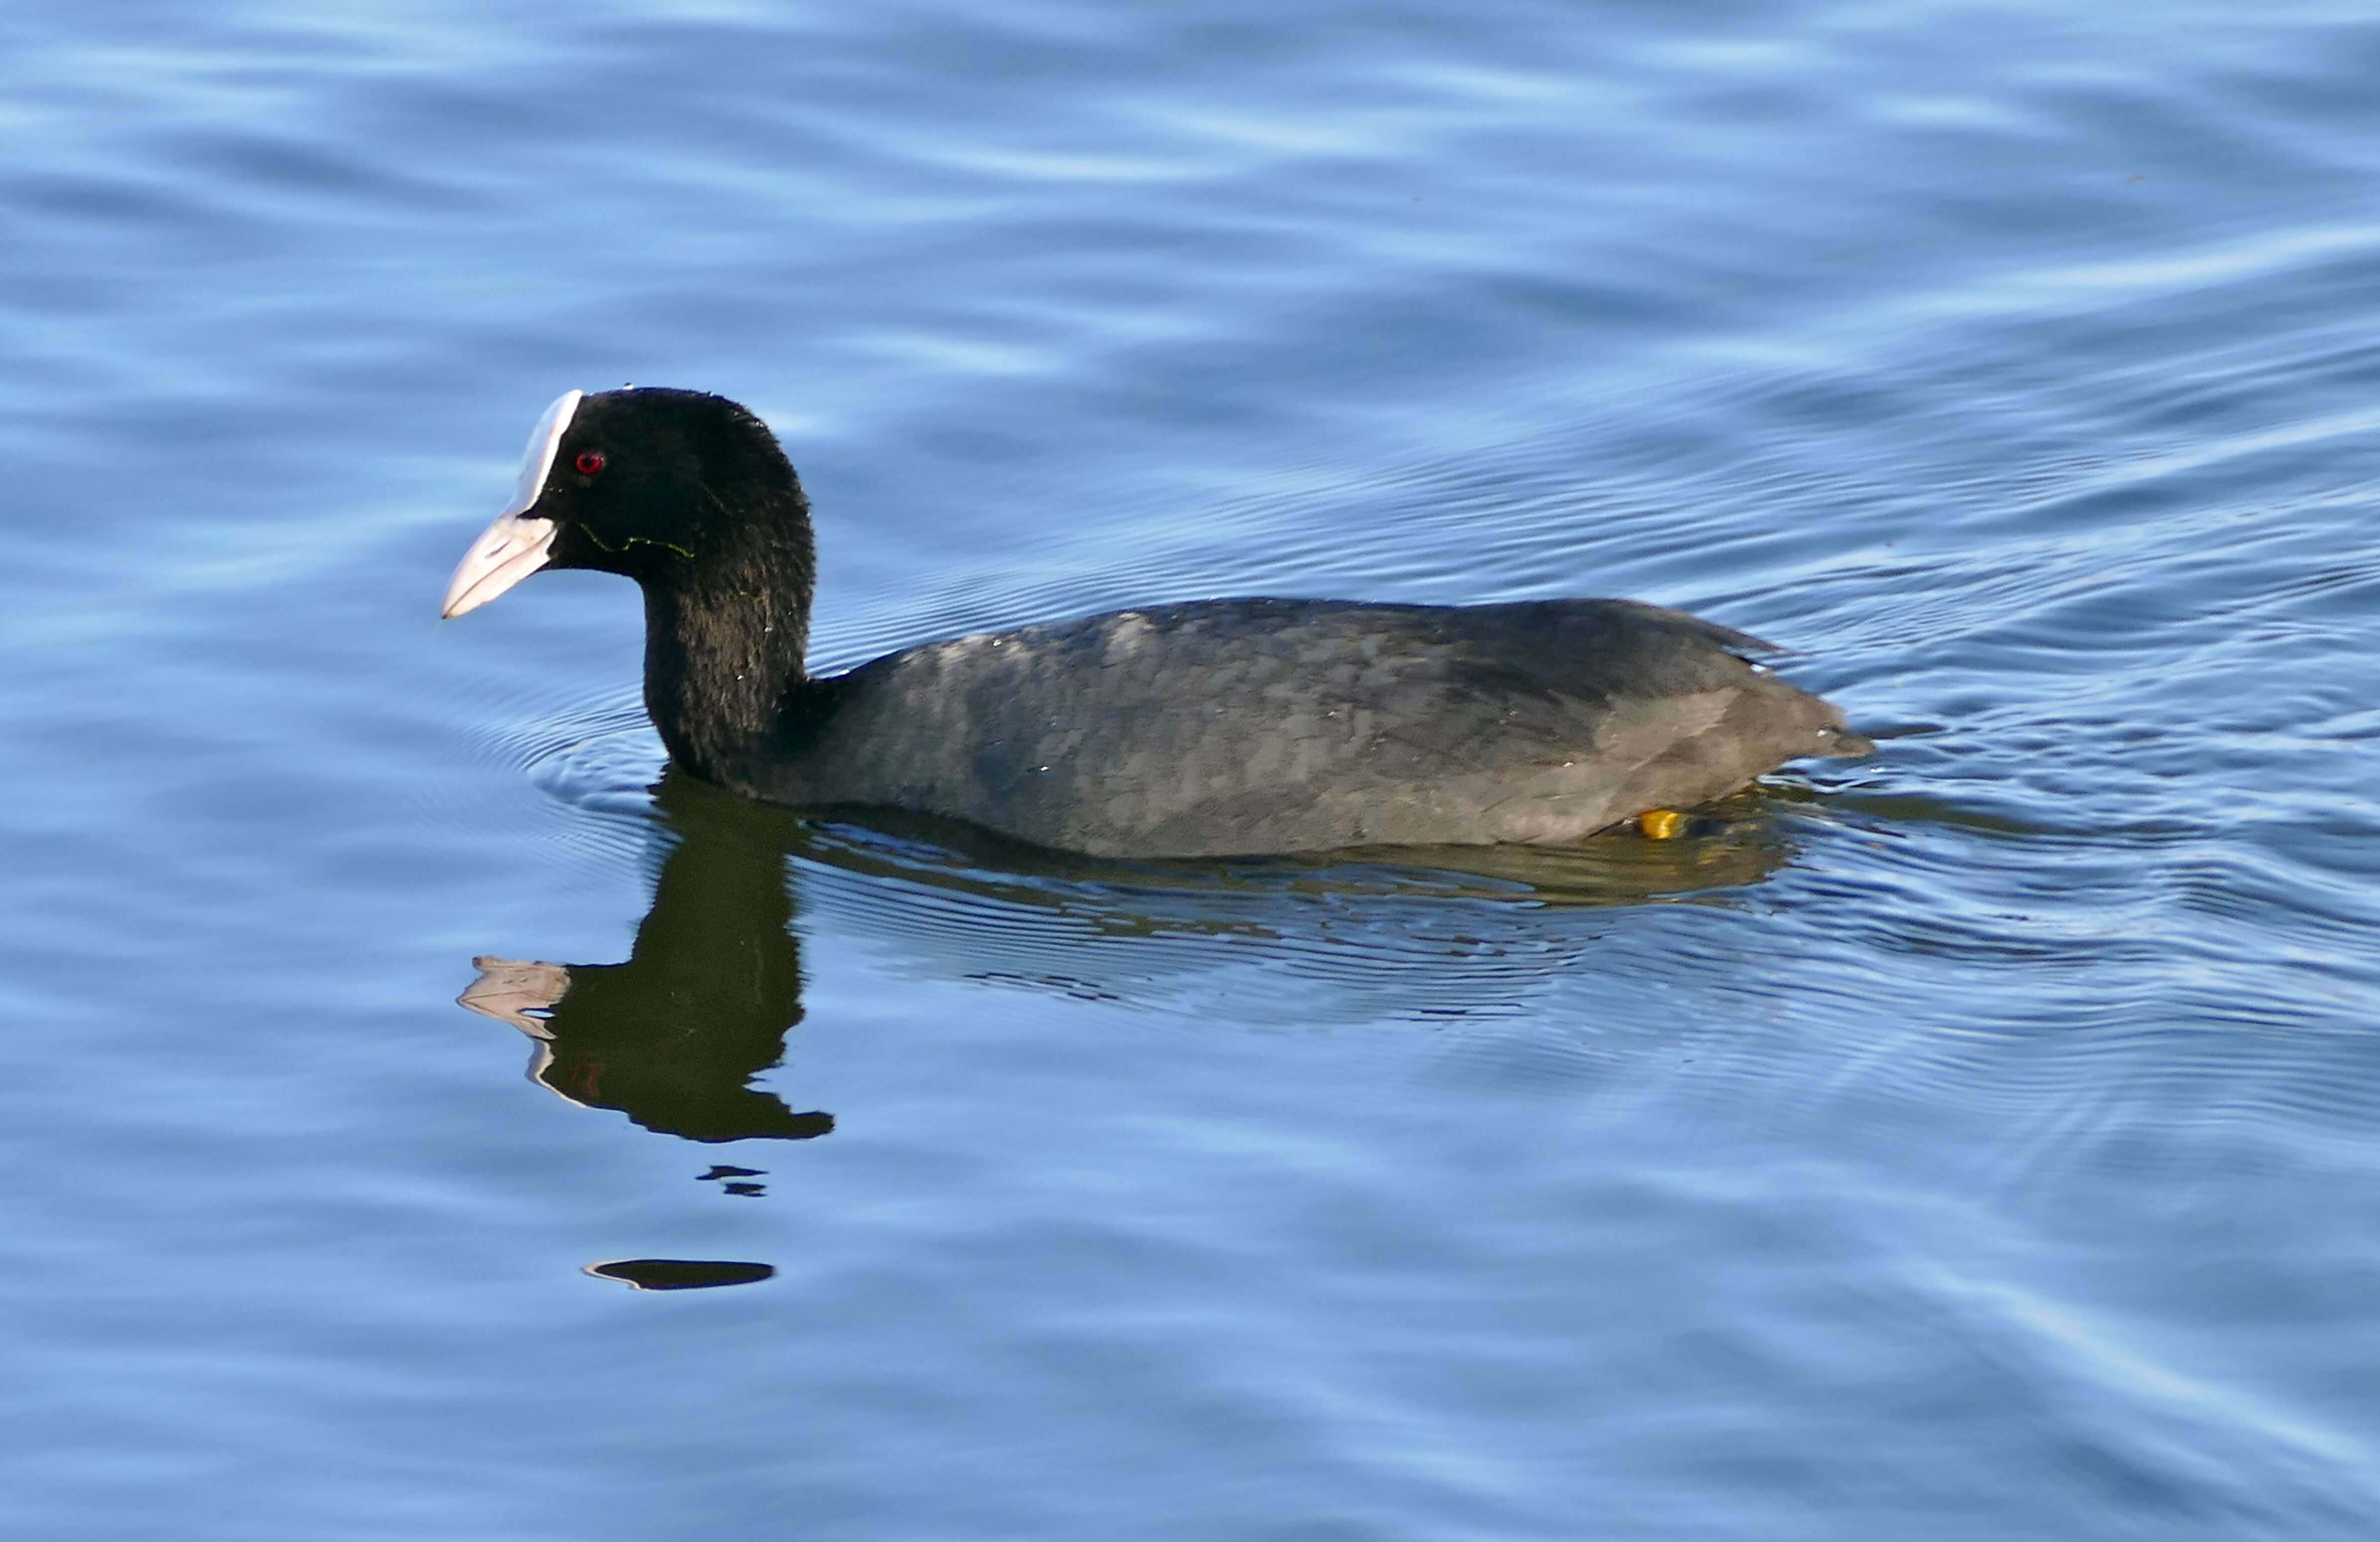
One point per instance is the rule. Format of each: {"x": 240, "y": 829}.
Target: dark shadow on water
{"x": 674, "y": 1037}
{"x": 681, "y": 1274}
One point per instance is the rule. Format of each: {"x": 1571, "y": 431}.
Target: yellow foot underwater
{"x": 1661, "y": 824}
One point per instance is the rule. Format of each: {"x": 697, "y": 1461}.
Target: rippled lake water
{"x": 1978, "y": 1141}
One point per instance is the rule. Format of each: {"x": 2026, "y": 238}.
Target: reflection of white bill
{"x": 515, "y": 990}
{"x": 511, "y": 989}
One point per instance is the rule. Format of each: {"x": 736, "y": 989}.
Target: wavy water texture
{"x": 1971, "y": 1141}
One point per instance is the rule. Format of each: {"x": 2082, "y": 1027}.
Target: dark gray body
{"x": 1246, "y": 727}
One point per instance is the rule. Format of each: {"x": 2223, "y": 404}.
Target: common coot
{"x": 1216, "y": 727}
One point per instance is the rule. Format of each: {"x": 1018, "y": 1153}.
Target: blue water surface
{"x": 1981, "y": 1141}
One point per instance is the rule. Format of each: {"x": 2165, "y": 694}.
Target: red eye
{"x": 589, "y": 462}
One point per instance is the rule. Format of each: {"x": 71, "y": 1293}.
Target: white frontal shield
{"x": 515, "y": 546}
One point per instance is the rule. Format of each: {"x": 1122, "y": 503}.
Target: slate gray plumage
{"x": 1208, "y": 728}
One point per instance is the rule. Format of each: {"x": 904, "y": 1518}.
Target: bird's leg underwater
{"x": 1661, "y": 824}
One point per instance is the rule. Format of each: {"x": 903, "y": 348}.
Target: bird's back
{"x": 1272, "y": 726}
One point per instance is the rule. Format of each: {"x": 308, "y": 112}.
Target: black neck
{"x": 724, "y": 638}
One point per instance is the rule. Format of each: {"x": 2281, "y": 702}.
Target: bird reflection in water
{"x": 674, "y": 1037}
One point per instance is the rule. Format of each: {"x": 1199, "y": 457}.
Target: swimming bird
{"x": 1215, "y": 727}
